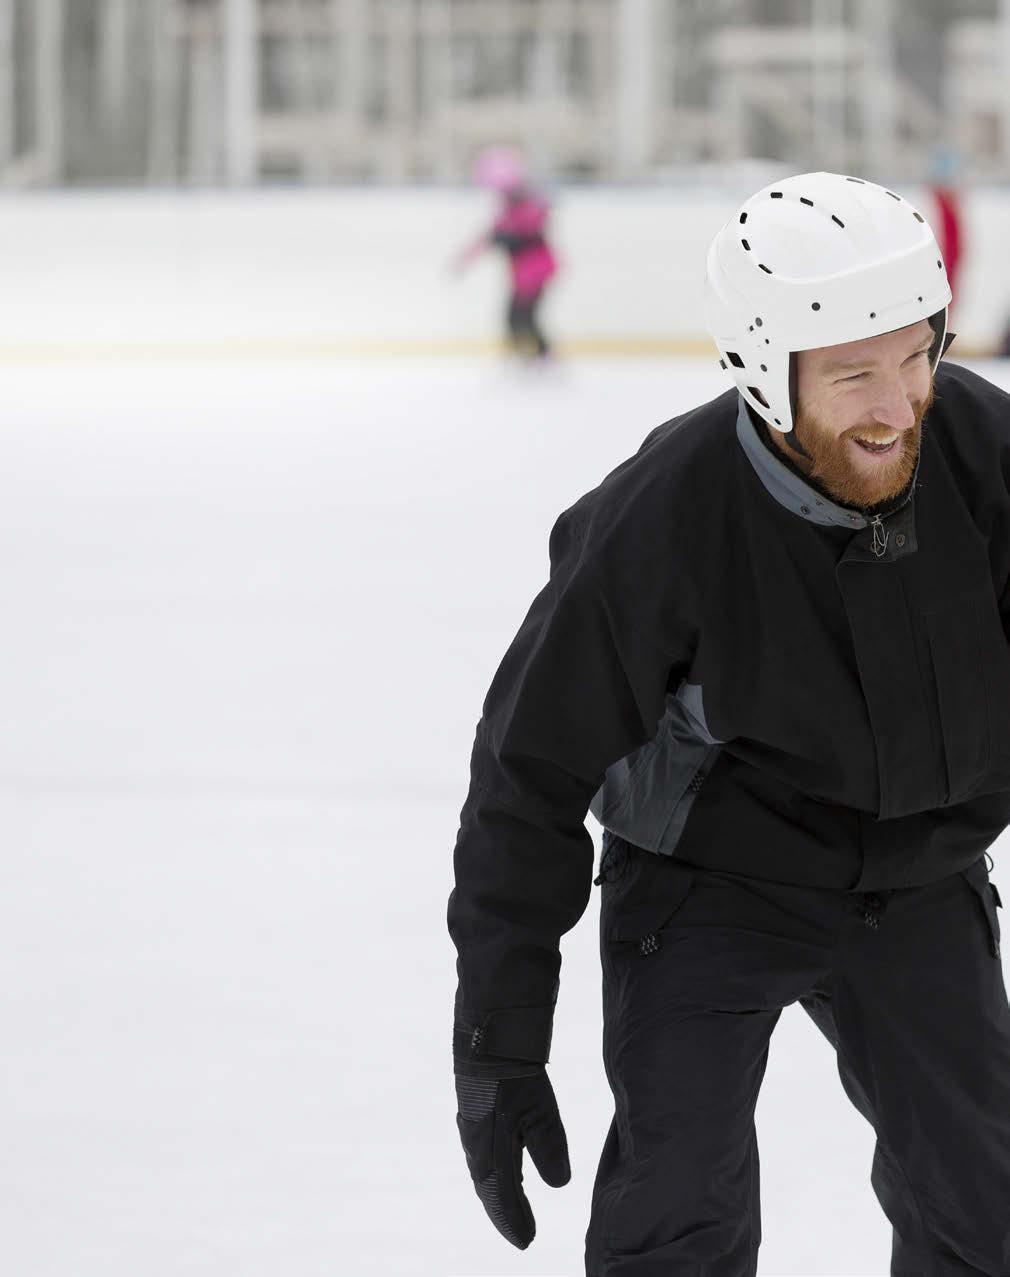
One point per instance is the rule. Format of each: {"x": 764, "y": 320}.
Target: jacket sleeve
{"x": 580, "y": 686}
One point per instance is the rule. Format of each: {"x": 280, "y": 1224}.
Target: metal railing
{"x": 246, "y": 91}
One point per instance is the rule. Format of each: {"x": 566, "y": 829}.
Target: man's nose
{"x": 894, "y": 409}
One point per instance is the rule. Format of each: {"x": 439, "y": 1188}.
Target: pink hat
{"x": 501, "y": 168}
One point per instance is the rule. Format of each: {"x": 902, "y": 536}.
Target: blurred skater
{"x": 949, "y": 220}
{"x": 519, "y": 229}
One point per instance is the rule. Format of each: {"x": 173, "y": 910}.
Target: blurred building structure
{"x": 247, "y": 91}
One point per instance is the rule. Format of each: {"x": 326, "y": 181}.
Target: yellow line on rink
{"x": 270, "y": 350}
{"x": 296, "y": 350}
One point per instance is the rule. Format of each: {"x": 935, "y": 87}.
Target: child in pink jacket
{"x": 518, "y": 229}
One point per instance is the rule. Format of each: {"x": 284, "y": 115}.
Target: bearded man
{"x": 772, "y": 659}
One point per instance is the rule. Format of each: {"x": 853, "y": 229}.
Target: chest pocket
{"x": 971, "y": 668}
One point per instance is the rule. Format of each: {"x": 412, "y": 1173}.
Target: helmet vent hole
{"x": 838, "y": 220}
{"x": 804, "y": 200}
{"x": 777, "y": 422}
{"x": 745, "y": 244}
{"x": 734, "y": 359}
{"x": 858, "y": 180}
{"x": 894, "y": 197}
{"x": 939, "y": 264}
{"x": 873, "y": 314}
{"x": 776, "y": 195}
{"x": 743, "y": 218}
{"x": 722, "y": 363}
{"x": 759, "y": 321}
{"x": 766, "y": 269}
{"x": 918, "y": 216}
{"x": 815, "y": 305}
{"x": 753, "y": 390}
{"x": 920, "y": 299}
{"x": 764, "y": 367}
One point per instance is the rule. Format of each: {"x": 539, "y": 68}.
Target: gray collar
{"x": 787, "y": 487}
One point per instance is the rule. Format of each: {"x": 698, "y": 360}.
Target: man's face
{"x": 860, "y": 411}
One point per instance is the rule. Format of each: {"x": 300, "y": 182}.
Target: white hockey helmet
{"x": 817, "y": 260}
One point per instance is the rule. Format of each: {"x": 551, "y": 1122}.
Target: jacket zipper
{"x": 880, "y": 535}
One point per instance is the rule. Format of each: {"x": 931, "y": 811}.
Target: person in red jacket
{"x": 949, "y": 221}
{"x": 519, "y": 228}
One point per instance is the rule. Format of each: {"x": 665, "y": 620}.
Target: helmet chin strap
{"x": 795, "y": 444}
{"x": 790, "y": 438}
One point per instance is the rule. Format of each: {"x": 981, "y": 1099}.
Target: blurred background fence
{"x": 293, "y": 171}
{"x": 241, "y": 91}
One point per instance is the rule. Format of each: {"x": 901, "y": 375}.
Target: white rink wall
{"x": 289, "y": 273}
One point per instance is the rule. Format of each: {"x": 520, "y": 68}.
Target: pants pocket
{"x": 652, "y": 891}
{"x": 988, "y": 899}
{"x": 615, "y": 853}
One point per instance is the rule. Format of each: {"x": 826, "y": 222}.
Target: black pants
{"x": 907, "y": 986}
{"x": 525, "y": 333}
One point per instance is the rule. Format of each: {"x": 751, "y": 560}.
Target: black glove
{"x": 496, "y": 1117}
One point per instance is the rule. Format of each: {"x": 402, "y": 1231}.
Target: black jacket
{"x": 735, "y": 671}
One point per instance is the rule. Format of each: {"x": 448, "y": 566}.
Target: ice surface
{"x": 250, "y": 616}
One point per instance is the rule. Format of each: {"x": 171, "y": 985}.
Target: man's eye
{"x": 858, "y": 376}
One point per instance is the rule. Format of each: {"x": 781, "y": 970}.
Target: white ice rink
{"x": 249, "y": 618}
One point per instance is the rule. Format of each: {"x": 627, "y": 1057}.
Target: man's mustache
{"x": 879, "y": 433}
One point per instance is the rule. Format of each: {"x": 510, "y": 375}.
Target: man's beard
{"x": 831, "y": 469}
